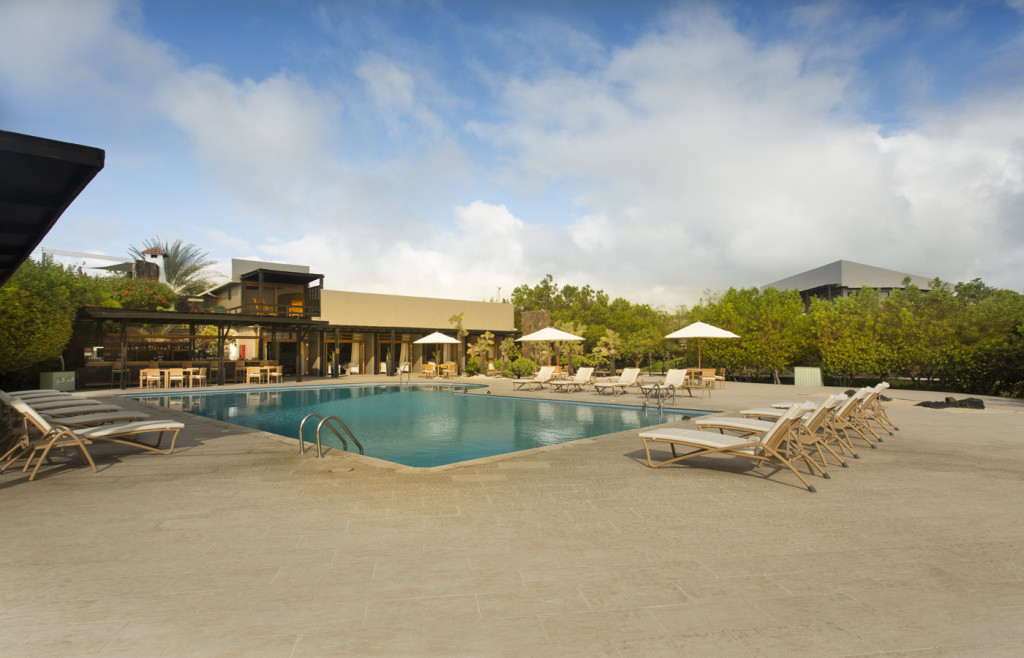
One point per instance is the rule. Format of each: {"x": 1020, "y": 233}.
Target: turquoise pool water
{"x": 418, "y": 425}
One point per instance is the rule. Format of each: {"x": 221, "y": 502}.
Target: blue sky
{"x": 655, "y": 150}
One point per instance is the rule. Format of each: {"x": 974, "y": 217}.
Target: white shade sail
{"x": 549, "y": 333}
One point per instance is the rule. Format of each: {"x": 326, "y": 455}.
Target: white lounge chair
{"x": 619, "y": 386}
{"x": 674, "y": 380}
{"x": 763, "y": 446}
{"x": 582, "y": 378}
{"x": 542, "y": 377}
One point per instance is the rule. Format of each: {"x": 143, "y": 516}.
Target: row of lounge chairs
{"x": 784, "y": 433}
{"x": 687, "y": 380}
{"x": 36, "y": 422}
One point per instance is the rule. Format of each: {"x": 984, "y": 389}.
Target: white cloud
{"x": 694, "y": 157}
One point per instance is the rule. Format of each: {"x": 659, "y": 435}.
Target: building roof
{"x": 848, "y": 274}
{"x": 39, "y": 178}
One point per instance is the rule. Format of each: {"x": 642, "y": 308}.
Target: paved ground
{"x": 237, "y": 546}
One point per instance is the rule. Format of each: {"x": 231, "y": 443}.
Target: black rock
{"x": 966, "y": 403}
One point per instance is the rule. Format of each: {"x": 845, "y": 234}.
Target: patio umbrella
{"x": 437, "y": 338}
{"x": 701, "y": 330}
{"x": 548, "y": 334}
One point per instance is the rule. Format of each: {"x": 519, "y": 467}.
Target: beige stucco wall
{"x": 373, "y": 310}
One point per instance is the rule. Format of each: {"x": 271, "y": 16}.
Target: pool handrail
{"x": 326, "y": 421}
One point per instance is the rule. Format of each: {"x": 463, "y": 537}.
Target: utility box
{"x": 806, "y": 376}
{"x": 60, "y": 381}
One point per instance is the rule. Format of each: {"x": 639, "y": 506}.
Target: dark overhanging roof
{"x": 106, "y": 313}
{"x": 280, "y": 276}
{"x": 39, "y": 178}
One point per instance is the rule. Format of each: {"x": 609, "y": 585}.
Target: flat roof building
{"x": 843, "y": 277}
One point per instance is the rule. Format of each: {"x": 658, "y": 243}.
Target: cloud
{"x": 694, "y": 156}
{"x": 706, "y": 160}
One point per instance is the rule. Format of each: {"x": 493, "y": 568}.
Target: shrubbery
{"x": 523, "y": 367}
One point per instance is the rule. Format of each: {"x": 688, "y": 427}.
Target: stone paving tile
{"x": 237, "y": 545}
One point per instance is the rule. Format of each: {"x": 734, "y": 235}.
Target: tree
{"x": 460, "y": 333}
{"x": 482, "y": 349}
{"x": 185, "y": 266}
{"x": 40, "y": 302}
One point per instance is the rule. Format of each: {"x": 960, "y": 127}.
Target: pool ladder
{"x": 656, "y": 391}
{"x": 332, "y": 423}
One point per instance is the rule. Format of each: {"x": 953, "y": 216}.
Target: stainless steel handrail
{"x": 326, "y": 421}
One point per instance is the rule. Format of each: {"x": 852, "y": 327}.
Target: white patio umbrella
{"x": 437, "y": 338}
{"x": 548, "y": 334}
{"x": 701, "y": 330}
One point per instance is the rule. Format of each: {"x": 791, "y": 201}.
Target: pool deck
{"x": 236, "y": 545}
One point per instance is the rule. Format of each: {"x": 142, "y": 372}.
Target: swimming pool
{"x": 418, "y": 425}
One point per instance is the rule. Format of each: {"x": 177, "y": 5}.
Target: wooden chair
{"x": 198, "y": 377}
{"x": 253, "y": 373}
{"x": 429, "y": 370}
{"x": 276, "y": 374}
{"x": 176, "y": 375}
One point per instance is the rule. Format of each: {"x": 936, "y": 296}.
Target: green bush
{"x": 507, "y": 373}
{"x": 473, "y": 366}
{"x": 523, "y": 367}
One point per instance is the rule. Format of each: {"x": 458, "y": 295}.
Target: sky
{"x": 655, "y": 150}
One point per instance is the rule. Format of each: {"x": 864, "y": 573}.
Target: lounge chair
{"x": 813, "y": 429}
{"x": 764, "y": 446}
{"x": 582, "y": 378}
{"x": 618, "y": 386}
{"x": 674, "y": 380}
{"x": 128, "y": 434}
{"x": 870, "y": 410}
{"x": 39, "y": 437}
{"x": 90, "y": 419}
{"x": 61, "y": 403}
{"x": 542, "y": 377}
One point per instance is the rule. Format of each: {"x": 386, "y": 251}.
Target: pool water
{"x": 418, "y": 425}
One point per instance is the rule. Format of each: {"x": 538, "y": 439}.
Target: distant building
{"x": 843, "y": 277}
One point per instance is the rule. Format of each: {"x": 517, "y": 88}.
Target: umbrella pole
{"x": 698, "y": 353}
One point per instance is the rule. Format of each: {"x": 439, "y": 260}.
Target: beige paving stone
{"x": 236, "y": 545}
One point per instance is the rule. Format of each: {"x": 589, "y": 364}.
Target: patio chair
{"x": 91, "y": 419}
{"x": 150, "y": 377}
{"x": 429, "y": 370}
{"x": 39, "y": 437}
{"x": 542, "y": 377}
{"x": 197, "y": 377}
{"x": 813, "y": 428}
{"x": 583, "y": 377}
{"x": 870, "y": 410}
{"x": 63, "y": 403}
{"x": 176, "y": 376}
{"x": 674, "y": 380}
{"x": 763, "y": 447}
{"x": 276, "y": 374}
{"x": 699, "y": 378}
{"x": 253, "y": 373}
{"x": 618, "y": 386}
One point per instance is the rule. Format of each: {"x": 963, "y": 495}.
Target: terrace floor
{"x": 235, "y": 545}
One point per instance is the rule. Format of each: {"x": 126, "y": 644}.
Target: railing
{"x": 326, "y": 422}
{"x": 304, "y": 311}
{"x": 657, "y": 391}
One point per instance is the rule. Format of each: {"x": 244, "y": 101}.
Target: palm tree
{"x": 184, "y": 266}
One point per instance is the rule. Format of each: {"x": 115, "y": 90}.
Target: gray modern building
{"x": 843, "y": 277}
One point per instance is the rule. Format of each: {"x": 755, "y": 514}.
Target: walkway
{"x": 237, "y": 546}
